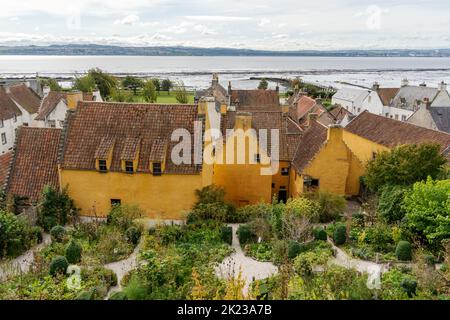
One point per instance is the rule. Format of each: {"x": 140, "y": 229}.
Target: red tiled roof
{"x": 92, "y": 122}
{"x": 7, "y": 107}
{"x": 255, "y": 98}
{"x": 340, "y": 112}
{"x": 5, "y": 160}
{"x": 391, "y": 133}
{"x": 25, "y": 97}
{"x": 304, "y": 105}
{"x": 387, "y": 95}
{"x": 35, "y": 162}
{"x": 312, "y": 141}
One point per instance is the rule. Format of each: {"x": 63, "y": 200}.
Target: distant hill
{"x": 100, "y": 50}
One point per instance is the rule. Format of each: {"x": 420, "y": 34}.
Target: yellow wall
{"x": 361, "y": 147}
{"x": 162, "y": 197}
{"x": 279, "y": 180}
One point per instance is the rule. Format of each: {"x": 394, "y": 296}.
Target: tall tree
{"x": 84, "y": 84}
{"x": 149, "y": 91}
{"x": 157, "y": 84}
{"x": 263, "y": 84}
{"x": 132, "y": 83}
{"x": 105, "y": 82}
{"x": 166, "y": 85}
{"x": 52, "y": 84}
{"x": 181, "y": 93}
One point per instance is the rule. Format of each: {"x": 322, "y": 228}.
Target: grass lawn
{"x": 167, "y": 98}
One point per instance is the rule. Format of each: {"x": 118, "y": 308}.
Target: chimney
{"x": 46, "y": 91}
{"x": 405, "y": 82}
{"x": 335, "y": 133}
{"x": 277, "y": 88}
{"x": 376, "y": 86}
{"x": 215, "y": 80}
{"x": 442, "y": 86}
{"x": 243, "y": 121}
{"x": 73, "y": 98}
{"x": 229, "y": 87}
{"x": 223, "y": 108}
{"x": 427, "y": 102}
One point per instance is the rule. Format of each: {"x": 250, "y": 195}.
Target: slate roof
{"x": 387, "y": 95}
{"x": 312, "y": 141}
{"x": 92, "y": 124}
{"x": 391, "y": 133}
{"x": 5, "y": 160}
{"x": 441, "y": 117}
{"x": 356, "y": 96}
{"x": 408, "y": 96}
{"x": 35, "y": 162}
{"x": 290, "y": 132}
{"x": 25, "y": 97}
{"x": 7, "y": 107}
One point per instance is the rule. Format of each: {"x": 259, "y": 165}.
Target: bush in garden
{"x": 358, "y": 219}
{"x": 340, "y": 235}
{"x": 122, "y": 216}
{"x": 56, "y": 208}
{"x": 331, "y": 206}
{"x": 14, "y": 235}
{"x": 294, "y": 249}
{"x": 247, "y": 213}
{"x": 87, "y": 295}
{"x": 217, "y": 211}
{"x": 245, "y": 234}
{"x": 280, "y": 251}
{"x": 119, "y": 295}
{"x": 210, "y": 194}
{"x": 58, "y": 233}
{"x": 404, "y": 251}
{"x": 379, "y": 236}
{"x": 320, "y": 234}
{"x": 36, "y": 234}
{"x": 58, "y": 265}
{"x": 302, "y": 207}
{"x": 133, "y": 235}
{"x": 226, "y": 234}
{"x": 73, "y": 252}
{"x": 409, "y": 286}
{"x": 390, "y": 203}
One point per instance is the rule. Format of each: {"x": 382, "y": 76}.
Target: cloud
{"x": 219, "y": 18}
{"x": 129, "y": 20}
{"x": 263, "y": 22}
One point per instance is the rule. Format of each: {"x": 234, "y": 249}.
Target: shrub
{"x": 112, "y": 245}
{"x": 331, "y": 206}
{"x": 58, "y": 265}
{"x": 133, "y": 235}
{"x": 247, "y": 213}
{"x": 340, "y": 235}
{"x": 86, "y": 295}
{"x": 73, "y": 252}
{"x": 122, "y": 216}
{"x": 294, "y": 249}
{"x": 226, "y": 234}
{"x": 390, "y": 203}
{"x": 119, "y": 295}
{"x": 409, "y": 286}
{"x": 56, "y": 208}
{"x": 404, "y": 251}
{"x": 14, "y": 236}
{"x": 210, "y": 194}
{"x": 320, "y": 234}
{"x": 245, "y": 234}
{"x": 280, "y": 251}
{"x": 36, "y": 234}
{"x": 358, "y": 219}
{"x": 379, "y": 236}
{"x": 58, "y": 233}
{"x": 302, "y": 207}
{"x": 217, "y": 211}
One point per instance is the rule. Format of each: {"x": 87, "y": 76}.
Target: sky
{"x": 250, "y": 24}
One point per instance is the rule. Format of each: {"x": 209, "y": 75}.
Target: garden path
{"x": 23, "y": 262}
{"x": 251, "y": 269}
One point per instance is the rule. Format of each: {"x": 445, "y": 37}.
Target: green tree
{"x": 390, "y": 203}
{"x": 166, "y": 85}
{"x": 118, "y": 95}
{"x": 263, "y": 84}
{"x": 52, "y": 84}
{"x": 427, "y": 208}
{"x": 405, "y": 165}
{"x": 56, "y": 208}
{"x": 181, "y": 93}
{"x": 84, "y": 84}
{"x": 157, "y": 84}
{"x": 149, "y": 91}
{"x": 132, "y": 83}
{"x": 105, "y": 82}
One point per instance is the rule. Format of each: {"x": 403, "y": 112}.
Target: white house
{"x": 10, "y": 119}
{"x": 26, "y": 100}
{"x": 358, "y": 100}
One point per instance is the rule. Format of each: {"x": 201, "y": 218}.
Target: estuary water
{"x": 196, "y": 72}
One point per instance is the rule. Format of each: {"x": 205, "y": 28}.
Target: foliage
{"x": 263, "y": 84}
{"x": 319, "y": 255}
{"x": 246, "y": 235}
{"x": 320, "y": 234}
{"x": 226, "y": 234}
{"x": 180, "y": 93}
{"x": 149, "y": 91}
{"x": 118, "y": 95}
{"x": 404, "y": 165}
{"x": 16, "y": 235}
{"x": 58, "y": 265}
{"x": 84, "y": 84}
{"x": 302, "y": 207}
{"x": 58, "y": 233}
{"x": 427, "y": 210}
{"x": 123, "y": 216}
{"x": 280, "y": 251}
{"x": 340, "y": 235}
{"x": 166, "y": 85}
{"x": 378, "y": 236}
{"x": 294, "y": 249}
{"x": 119, "y": 295}
{"x": 156, "y": 84}
{"x": 73, "y": 252}
{"x": 391, "y": 284}
{"x": 57, "y": 208}
{"x": 260, "y": 251}
{"x": 390, "y": 203}
{"x": 52, "y": 84}
{"x": 247, "y": 213}
{"x": 210, "y": 194}
{"x": 112, "y": 245}
{"x": 105, "y": 82}
{"x": 133, "y": 234}
{"x": 132, "y": 83}
{"x": 404, "y": 251}
{"x": 331, "y": 206}
{"x": 208, "y": 211}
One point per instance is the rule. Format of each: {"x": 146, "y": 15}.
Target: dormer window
{"x": 102, "y": 166}
{"x": 129, "y": 167}
{"x": 156, "y": 169}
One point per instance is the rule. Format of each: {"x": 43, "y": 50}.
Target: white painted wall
{"x": 9, "y": 129}
{"x": 397, "y": 113}
{"x": 58, "y": 115}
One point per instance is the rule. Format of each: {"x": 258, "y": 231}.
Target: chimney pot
{"x": 405, "y": 82}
